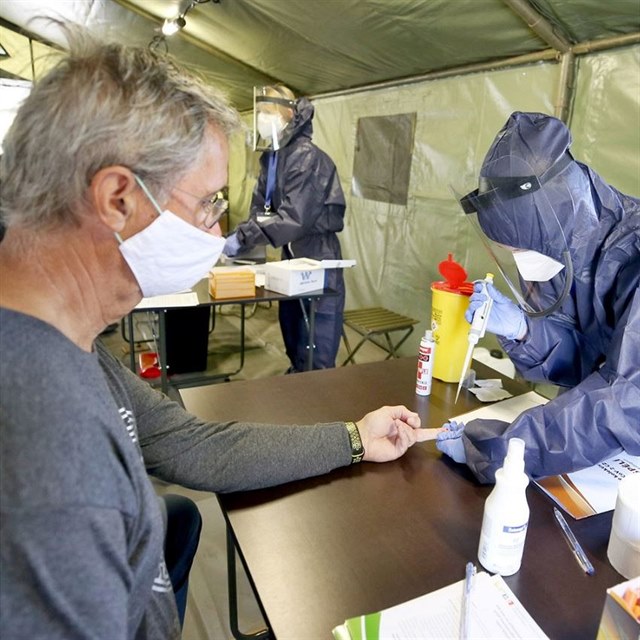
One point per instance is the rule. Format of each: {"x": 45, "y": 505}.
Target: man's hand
{"x": 388, "y": 432}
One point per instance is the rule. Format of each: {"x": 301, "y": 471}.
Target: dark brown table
{"x": 371, "y": 536}
{"x": 204, "y": 299}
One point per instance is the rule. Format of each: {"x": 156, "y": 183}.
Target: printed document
{"x": 186, "y": 299}
{"x": 495, "y": 613}
{"x": 593, "y": 490}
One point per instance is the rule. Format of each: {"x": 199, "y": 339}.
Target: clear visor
{"x": 271, "y": 115}
{"x": 519, "y": 228}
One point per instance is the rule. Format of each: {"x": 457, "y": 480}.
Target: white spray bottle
{"x": 426, "y": 353}
{"x": 506, "y": 515}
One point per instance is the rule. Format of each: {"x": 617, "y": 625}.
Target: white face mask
{"x": 270, "y": 125}
{"x": 169, "y": 255}
{"x": 536, "y": 267}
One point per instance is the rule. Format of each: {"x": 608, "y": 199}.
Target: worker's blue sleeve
{"x": 307, "y": 200}
{"x": 550, "y": 352}
{"x": 591, "y": 422}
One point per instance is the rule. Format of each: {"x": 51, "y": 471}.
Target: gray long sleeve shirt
{"x": 82, "y": 532}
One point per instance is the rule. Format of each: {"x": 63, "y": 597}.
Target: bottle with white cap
{"x": 506, "y": 515}
{"x": 624, "y": 543}
{"x": 426, "y": 353}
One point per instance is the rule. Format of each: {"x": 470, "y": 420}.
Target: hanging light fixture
{"x": 173, "y": 25}
{"x": 170, "y": 27}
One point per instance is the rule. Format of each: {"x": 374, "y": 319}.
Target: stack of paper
{"x": 495, "y": 613}
{"x": 182, "y": 299}
{"x": 590, "y": 491}
{"x": 506, "y": 410}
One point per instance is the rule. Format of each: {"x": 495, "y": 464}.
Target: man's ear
{"x": 113, "y": 192}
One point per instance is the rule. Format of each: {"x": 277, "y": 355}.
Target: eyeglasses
{"x": 210, "y": 209}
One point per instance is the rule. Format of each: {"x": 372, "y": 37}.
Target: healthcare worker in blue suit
{"x": 575, "y": 241}
{"x": 297, "y": 204}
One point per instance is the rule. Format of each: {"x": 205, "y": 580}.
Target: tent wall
{"x": 397, "y": 247}
{"x": 606, "y": 116}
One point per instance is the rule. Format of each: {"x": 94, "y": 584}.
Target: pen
{"x": 470, "y": 572}
{"x": 578, "y": 551}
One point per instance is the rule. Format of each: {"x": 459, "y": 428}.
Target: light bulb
{"x": 170, "y": 27}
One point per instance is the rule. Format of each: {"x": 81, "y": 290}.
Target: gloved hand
{"x": 231, "y": 246}
{"x": 506, "y": 318}
{"x": 449, "y": 441}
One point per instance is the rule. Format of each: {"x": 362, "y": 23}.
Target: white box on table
{"x": 293, "y": 277}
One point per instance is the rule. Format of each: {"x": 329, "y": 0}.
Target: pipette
{"x": 477, "y": 328}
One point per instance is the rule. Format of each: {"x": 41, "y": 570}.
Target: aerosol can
{"x": 425, "y": 364}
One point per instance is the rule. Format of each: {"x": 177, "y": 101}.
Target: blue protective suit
{"x": 308, "y": 211}
{"x": 591, "y": 345}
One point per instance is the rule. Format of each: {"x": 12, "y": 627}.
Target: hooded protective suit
{"x": 308, "y": 208}
{"x": 591, "y": 344}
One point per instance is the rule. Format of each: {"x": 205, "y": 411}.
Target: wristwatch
{"x": 357, "y": 450}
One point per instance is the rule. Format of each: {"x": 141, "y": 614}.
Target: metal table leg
{"x": 263, "y": 634}
{"x": 162, "y": 329}
{"x": 195, "y": 380}
{"x": 312, "y": 332}
{"x": 132, "y": 344}
{"x": 242, "y": 337}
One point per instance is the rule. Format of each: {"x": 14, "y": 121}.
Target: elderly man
{"x": 107, "y": 175}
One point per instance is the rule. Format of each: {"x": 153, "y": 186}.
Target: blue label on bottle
{"x": 519, "y": 529}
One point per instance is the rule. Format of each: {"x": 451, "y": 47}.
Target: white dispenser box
{"x": 624, "y": 543}
{"x": 293, "y": 277}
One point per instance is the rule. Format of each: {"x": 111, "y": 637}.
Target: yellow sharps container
{"x": 449, "y": 301}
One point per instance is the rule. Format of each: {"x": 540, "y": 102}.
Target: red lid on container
{"x": 454, "y": 276}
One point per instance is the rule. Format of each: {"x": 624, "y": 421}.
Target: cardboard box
{"x": 621, "y": 614}
{"x": 293, "y": 277}
{"x": 232, "y": 282}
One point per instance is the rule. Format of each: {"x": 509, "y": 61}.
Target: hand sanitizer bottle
{"x": 506, "y": 515}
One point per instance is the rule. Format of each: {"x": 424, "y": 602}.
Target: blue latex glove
{"x": 231, "y": 246}
{"x": 449, "y": 441}
{"x": 506, "y": 318}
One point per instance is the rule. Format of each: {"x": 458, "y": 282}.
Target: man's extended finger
{"x": 424, "y": 435}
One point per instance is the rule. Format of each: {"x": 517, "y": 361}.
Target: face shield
{"x": 519, "y": 227}
{"x": 272, "y": 113}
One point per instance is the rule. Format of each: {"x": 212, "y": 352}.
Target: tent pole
{"x": 606, "y": 43}
{"x": 542, "y": 27}
{"x": 566, "y": 86}
{"x": 529, "y": 58}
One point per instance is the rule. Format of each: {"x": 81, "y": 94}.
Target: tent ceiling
{"x": 323, "y": 46}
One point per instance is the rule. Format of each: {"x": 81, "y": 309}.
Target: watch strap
{"x": 357, "y": 448}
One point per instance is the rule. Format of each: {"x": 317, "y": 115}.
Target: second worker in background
{"x": 297, "y": 204}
